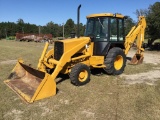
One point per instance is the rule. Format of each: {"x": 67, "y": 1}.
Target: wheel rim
{"x": 83, "y": 75}
{"x": 118, "y": 62}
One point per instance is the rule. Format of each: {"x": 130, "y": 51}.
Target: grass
{"x": 104, "y": 98}
{"x": 134, "y": 69}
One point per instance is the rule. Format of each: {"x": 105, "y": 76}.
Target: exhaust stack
{"x": 78, "y": 19}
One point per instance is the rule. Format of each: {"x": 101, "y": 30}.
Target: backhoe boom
{"x": 136, "y": 32}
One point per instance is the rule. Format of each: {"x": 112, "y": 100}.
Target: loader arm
{"x": 76, "y": 44}
{"x": 136, "y": 32}
{"x": 31, "y": 84}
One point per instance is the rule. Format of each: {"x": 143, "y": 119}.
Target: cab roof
{"x": 105, "y": 15}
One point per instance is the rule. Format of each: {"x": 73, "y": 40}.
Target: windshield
{"x": 97, "y": 27}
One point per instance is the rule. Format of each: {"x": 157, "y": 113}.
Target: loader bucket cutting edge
{"x": 30, "y": 84}
{"x": 137, "y": 59}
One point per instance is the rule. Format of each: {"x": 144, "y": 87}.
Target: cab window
{"x": 113, "y": 29}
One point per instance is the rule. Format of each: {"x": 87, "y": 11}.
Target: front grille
{"x": 58, "y": 50}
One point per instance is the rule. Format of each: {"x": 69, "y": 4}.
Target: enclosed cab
{"x": 106, "y": 31}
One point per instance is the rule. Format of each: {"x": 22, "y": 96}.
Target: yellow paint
{"x": 138, "y": 32}
{"x": 118, "y": 63}
{"x": 96, "y": 60}
{"x": 83, "y": 75}
{"x": 105, "y": 15}
{"x": 34, "y": 87}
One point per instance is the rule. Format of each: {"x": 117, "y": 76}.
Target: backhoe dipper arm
{"x": 136, "y": 32}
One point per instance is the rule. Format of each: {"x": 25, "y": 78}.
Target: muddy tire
{"x": 80, "y": 74}
{"x": 115, "y": 61}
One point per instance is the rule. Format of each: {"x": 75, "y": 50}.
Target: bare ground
{"x": 149, "y": 77}
{"x": 149, "y": 56}
{"x": 8, "y": 62}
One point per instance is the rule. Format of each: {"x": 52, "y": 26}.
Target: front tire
{"x": 80, "y": 74}
{"x": 115, "y": 61}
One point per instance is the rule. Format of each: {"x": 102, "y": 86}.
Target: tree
{"x": 50, "y": 27}
{"x": 11, "y": 28}
{"x": 153, "y": 21}
{"x": 20, "y": 25}
{"x": 69, "y": 27}
{"x": 141, "y": 12}
{"x": 7, "y": 29}
{"x": 129, "y": 23}
{"x": 20, "y": 21}
{"x": 81, "y": 29}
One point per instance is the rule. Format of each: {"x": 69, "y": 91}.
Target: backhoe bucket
{"x": 30, "y": 84}
{"x": 137, "y": 59}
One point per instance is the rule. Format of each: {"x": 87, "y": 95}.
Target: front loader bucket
{"x": 137, "y": 59}
{"x": 30, "y": 84}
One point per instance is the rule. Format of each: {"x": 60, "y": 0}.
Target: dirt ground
{"x": 145, "y": 77}
{"x": 9, "y": 62}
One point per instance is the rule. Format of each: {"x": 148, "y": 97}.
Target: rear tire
{"x": 115, "y": 61}
{"x": 80, "y": 74}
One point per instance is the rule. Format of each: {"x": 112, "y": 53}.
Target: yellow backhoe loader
{"x": 104, "y": 45}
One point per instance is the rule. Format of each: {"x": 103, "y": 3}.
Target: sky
{"x": 40, "y": 12}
